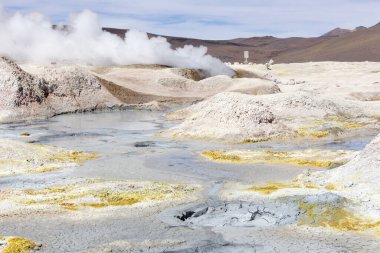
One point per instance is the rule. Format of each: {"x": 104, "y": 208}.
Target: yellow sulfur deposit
{"x": 221, "y": 156}
{"x": 329, "y": 125}
{"x": 310, "y": 158}
{"x": 353, "y": 125}
{"x": 43, "y": 169}
{"x": 335, "y": 217}
{"x": 19, "y": 245}
{"x": 332, "y": 215}
{"x": 330, "y": 187}
{"x": 272, "y": 187}
{"x": 343, "y": 122}
{"x": 19, "y": 158}
{"x": 255, "y": 140}
{"x": 101, "y": 193}
{"x": 72, "y": 156}
{"x": 310, "y": 132}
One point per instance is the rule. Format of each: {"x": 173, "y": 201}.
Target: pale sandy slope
{"x": 172, "y": 82}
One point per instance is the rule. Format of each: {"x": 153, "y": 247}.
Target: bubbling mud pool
{"x": 128, "y": 150}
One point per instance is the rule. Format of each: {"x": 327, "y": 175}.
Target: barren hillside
{"x": 361, "y": 44}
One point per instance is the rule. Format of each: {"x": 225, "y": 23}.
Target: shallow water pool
{"x": 130, "y": 149}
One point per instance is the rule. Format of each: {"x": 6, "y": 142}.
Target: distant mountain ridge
{"x": 360, "y": 44}
{"x": 336, "y": 32}
{"x": 340, "y": 31}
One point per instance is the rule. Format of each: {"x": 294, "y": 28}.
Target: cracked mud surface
{"x": 242, "y": 214}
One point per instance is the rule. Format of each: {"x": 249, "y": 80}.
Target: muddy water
{"x": 130, "y": 150}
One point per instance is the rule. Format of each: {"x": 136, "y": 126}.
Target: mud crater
{"x": 240, "y": 214}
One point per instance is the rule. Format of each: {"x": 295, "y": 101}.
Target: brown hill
{"x": 361, "y": 44}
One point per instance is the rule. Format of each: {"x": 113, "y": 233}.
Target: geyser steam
{"x": 31, "y": 38}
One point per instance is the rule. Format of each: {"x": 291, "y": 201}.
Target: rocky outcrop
{"x": 20, "y": 88}
{"x": 227, "y": 115}
{"x": 237, "y": 117}
{"x": 55, "y": 90}
{"x": 76, "y": 90}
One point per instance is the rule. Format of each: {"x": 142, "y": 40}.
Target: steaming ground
{"x": 31, "y": 38}
{"x": 252, "y": 163}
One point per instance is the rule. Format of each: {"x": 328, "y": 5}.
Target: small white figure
{"x": 269, "y": 64}
{"x": 246, "y": 57}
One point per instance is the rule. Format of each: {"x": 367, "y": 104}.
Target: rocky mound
{"x": 303, "y": 104}
{"x": 358, "y": 178}
{"x": 20, "y": 89}
{"x": 56, "y": 90}
{"x": 76, "y": 90}
{"x": 71, "y": 81}
{"x": 238, "y": 117}
{"x": 227, "y": 115}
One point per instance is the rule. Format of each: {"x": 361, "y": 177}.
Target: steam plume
{"x": 31, "y": 38}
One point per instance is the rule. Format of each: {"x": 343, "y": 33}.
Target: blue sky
{"x": 214, "y": 19}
